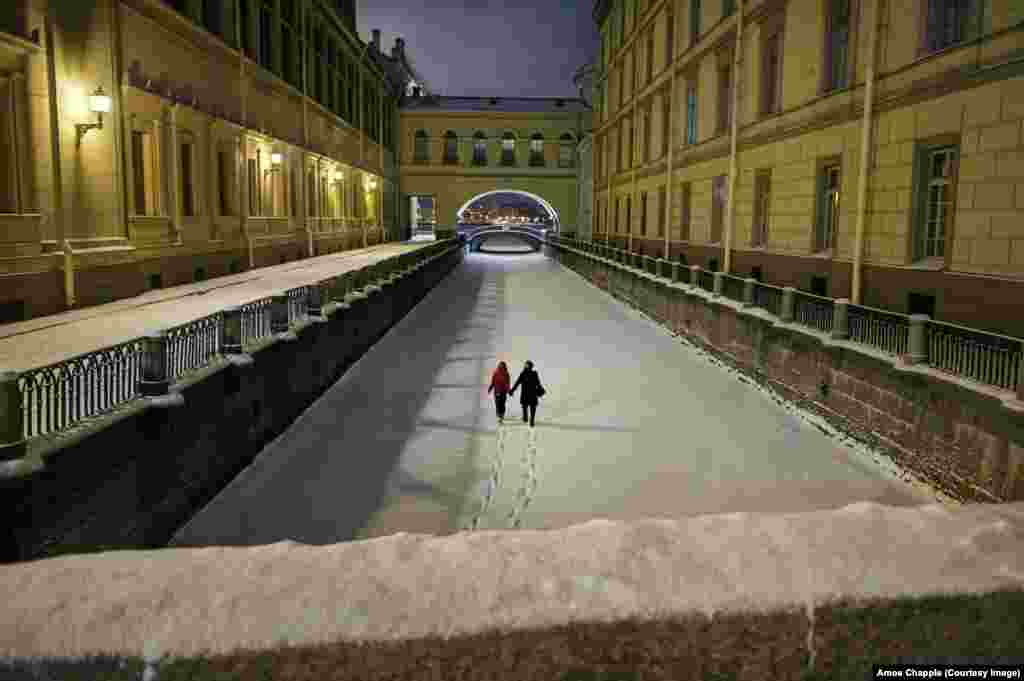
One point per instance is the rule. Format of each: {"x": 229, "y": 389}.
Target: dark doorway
{"x": 156, "y": 281}
{"x": 12, "y": 311}
{"x": 235, "y": 267}
{"x": 819, "y": 286}
{"x": 921, "y": 303}
{"x": 713, "y": 264}
{"x": 199, "y": 274}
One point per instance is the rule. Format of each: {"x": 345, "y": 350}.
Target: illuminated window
{"x": 479, "y": 149}
{"x": 508, "y": 149}
{"x": 537, "y": 150}
{"x": 451, "y": 147}
{"x": 566, "y": 151}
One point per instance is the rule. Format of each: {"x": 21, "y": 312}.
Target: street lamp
{"x": 99, "y": 104}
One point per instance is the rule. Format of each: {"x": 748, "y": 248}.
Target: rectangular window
{"x": 141, "y": 170}
{"x": 837, "y": 45}
{"x": 187, "y": 190}
{"x": 724, "y": 98}
{"x": 938, "y": 186}
{"x": 615, "y": 216}
{"x": 645, "y": 149}
{"x": 629, "y": 217}
{"x": 244, "y": 19}
{"x": 643, "y": 213}
{"x": 451, "y": 148}
{"x": 828, "y": 208}
{"x": 254, "y": 187}
{"x": 211, "y": 16}
{"x": 685, "y": 202}
{"x": 266, "y": 38}
{"x": 762, "y": 208}
{"x": 728, "y": 8}
{"x": 949, "y": 22}
{"x": 691, "y": 111}
{"x": 662, "y": 208}
{"x": 695, "y": 17}
{"x": 650, "y": 56}
{"x": 771, "y": 74}
{"x": 666, "y": 122}
{"x": 718, "y": 199}
{"x": 479, "y": 151}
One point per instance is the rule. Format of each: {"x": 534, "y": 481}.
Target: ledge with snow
{"x": 739, "y": 596}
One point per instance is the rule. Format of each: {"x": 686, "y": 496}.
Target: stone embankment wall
{"x": 132, "y": 477}
{"x": 961, "y": 437}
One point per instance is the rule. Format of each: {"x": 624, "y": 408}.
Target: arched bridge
{"x": 529, "y": 234}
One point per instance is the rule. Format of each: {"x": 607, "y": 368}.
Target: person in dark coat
{"x": 531, "y": 394}
{"x": 500, "y": 381}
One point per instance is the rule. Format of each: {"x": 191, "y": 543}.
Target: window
{"x": 936, "y": 193}
{"x": 762, "y": 206}
{"x": 255, "y": 202}
{"x": 145, "y": 181}
{"x": 421, "y": 147}
{"x": 662, "y": 208}
{"x": 199, "y": 274}
{"x": 244, "y": 18}
{"x": 685, "y": 201}
{"x": 643, "y": 213}
{"x": 828, "y": 208}
{"x": 629, "y": 218}
{"x": 644, "y": 130}
{"x": 187, "y": 190}
{"x": 691, "y": 111}
{"x": 508, "y": 149}
{"x": 724, "y": 97}
{"x": 537, "y": 150}
{"x": 771, "y": 73}
{"x": 819, "y": 285}
{"x": 267, "y": 35}
{"x": 666, "y": 121}
{"x": 948, "y": 22}
{"x": 479, "y": 149}
{"x": 566, "y": 151}
{"x": 728, "y": 8}
{"x": 650, "y": 55}
{"x": 451, "y": 147}
{"x": 211, "y": 10}
{"x": 718, "y": 199}
{"x": 695, "y": 17}
{"x": 615, "y": 216}
{"x": 837, "y": 45}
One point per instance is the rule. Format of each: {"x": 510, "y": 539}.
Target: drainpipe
{"x": 57, "y": 206}
{"x": 307, "y": 223}
{"x": 632, "y": 164}
{"x": 69, "y": 274}
{"x": 244, "y": 141}
{"x": 865, "y": 151}
{"x": 668, "y": 168}
{"x": 733, "y": 170}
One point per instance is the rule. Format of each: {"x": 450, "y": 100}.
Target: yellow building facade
{"x": 455, "y": 149}
{"x": 237, "y": 133}
{"x": 873, "y": 148}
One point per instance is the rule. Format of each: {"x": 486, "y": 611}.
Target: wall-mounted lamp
{"x": 99, "y": 103}
{"x": 338, "y": 176}
{"x": 275, "y": 158}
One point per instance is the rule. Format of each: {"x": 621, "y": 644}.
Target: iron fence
{"x": 194, "y": 345}
{"x": 879, "y": 329}
{"x": 732, "y": 287}
{"x": 706, "y": 280}
{"x": 297, "y": 303}
{"x": 56, "y": 397}
{"x": 975, "y": 355}
{"x": 768, "y": 298}
{"x": 256, "y": 321}
{"x": 813, "y": 311}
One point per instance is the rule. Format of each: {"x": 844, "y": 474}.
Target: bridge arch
{"x": 556, "y": 222}
{"x": 529, "y": 236}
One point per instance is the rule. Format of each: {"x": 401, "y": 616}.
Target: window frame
{"x": 508, "y": 153}
{"x": 187, "y": 177}
{"x": 820, "y": 245}
{"x": 686, "y": 211}
{"x": 761, "y": 222}
{"x": 828, "y": 84}
{"x": 479, "y": 148}
{"x": 662, "y": 210}
{"x": 772, "y": 34}
{"x": 451, "y": 153}
{"x": 723, "y": 124}
{"x": 644, "y": 196}
{"x": 537, "y": 150}
{"x": 972, "y": 25}
{"x": 917, "y": 233}
{"x": 421, "y": 146}
{"x": 695, "y": 16}
{"x": 719, "y": 187}
{"x": 692, "y": 100}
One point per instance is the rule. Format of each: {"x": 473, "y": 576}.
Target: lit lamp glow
{"x": 338, "y": 176}
{"x": 99, "y": 104}
{"x": 275, "y": 158}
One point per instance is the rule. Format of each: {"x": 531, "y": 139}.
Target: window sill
{"x": 928, "y": 264}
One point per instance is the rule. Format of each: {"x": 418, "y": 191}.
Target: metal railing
{"x": 256, "y": 321}
{"x": 987, "y": 358}
{"x": 813, "y": 311}
{"x": 879, "y": 329}
{"x": 768, "y": 297}
{"x": 297, "y": 307}
{"x": 706, "y": 280}
{"x": 193, "y": 345}
{"x": 58, "y": 396}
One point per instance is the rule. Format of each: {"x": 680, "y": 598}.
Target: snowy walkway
{"x": 635, "y": 424}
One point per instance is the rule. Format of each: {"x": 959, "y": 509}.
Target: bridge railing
{"x": 981, "y": 357}
{"x": 59, "y": 396}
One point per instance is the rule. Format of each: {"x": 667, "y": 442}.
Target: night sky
{"x": 526, "y": 48}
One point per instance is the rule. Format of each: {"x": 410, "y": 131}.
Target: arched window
{"x": 479, "y": 149}
{"x": 537, "y": 149}
{"x": 566, "y": 151}
{"x": 508, "y": 149}
{"x": 422, "y": 147}
{"x": 451, "y": 147}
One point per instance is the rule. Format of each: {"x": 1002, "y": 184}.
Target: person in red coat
{"x": 500, "y": 382}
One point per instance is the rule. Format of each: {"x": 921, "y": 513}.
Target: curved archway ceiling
{"x": 491, "y": 206}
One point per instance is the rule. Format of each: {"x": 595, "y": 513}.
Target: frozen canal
{"x": 635, "y": 423}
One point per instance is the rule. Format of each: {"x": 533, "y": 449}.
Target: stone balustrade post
{"x": 231, "y": 331}
{"x": 748, "y": 291}
{"x": 786, "y": 311}
{"x": 12, "y": 423}
{"x": 279, "y": 322}
{"x": 695, "y": 276}
{"x": 154, "y": 380}
{"x": 841, "y": 318}
{"x": 918, "y": 349}
{"x": 675, "y": 271}
{"x": 718, "y": 282}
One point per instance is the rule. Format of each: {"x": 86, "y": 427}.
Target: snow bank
{"x": 186, "y": 601}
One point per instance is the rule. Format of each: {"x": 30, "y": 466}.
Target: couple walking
{"x": 528, "y": 398}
